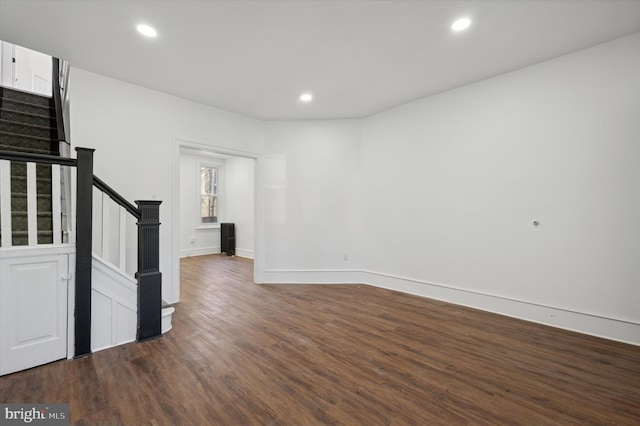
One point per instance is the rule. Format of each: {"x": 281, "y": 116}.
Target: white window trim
{"x": 218, "y": 164}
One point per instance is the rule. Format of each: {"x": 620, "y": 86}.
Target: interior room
{"x": 235, "y": 178}
{"x": 435, "y": 205}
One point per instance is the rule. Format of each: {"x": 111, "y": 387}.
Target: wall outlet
{"x": 192, "y": 239}
{"x": 345, "y": 256}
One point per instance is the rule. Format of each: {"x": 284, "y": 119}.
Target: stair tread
{"x": 28, "y": 136}
{"x": 49, "y": 117}
{"x": 12, "y": 93}
{"x": 43, "y": 232}
{"x": 24, "y": 194}
{"x": 25, "y": 213}
{"x": 18, "y": 101}
{"x": 2, "y": 120}
{"x": 25, "y": 150}
{"x": 40, "y": 179}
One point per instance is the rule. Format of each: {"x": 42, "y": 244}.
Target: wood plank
{"x": 246, "y": 354}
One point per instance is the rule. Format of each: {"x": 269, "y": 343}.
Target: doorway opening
{"x": 214, "y": 186}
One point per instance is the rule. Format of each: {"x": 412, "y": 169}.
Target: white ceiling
{"x": 357, "y": 57}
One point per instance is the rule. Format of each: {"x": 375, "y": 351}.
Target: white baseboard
{"x": 312, "y": 276}
{"x": 248, "y": 254}
{"x": 199, "y": 251}
{"x": 609, "y": 328}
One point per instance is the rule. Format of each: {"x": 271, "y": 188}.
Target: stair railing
{"x": 57, "y": 100}
{"x": 60, "y": 92}
{"x": 64, "y": 69}
{"x": 146, "y": 213}
{"x": 111, "y": 229}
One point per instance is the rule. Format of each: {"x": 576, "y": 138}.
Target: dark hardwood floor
{"x": 245, "y": 354}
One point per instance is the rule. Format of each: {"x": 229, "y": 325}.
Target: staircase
{"x": 55, "y": 283}
{"x": 28, "y": 125}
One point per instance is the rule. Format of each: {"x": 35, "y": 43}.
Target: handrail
{"x": 37, "y": 158}
{"x": 57, "y": 99}
{"x": 64, "y": 93}
{"x": 119, "y": 199}
{"x": 64, "y": 79}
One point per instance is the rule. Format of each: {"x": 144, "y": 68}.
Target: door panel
{"x": 33, "y": 311}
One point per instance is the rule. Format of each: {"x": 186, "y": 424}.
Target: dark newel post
{"x": 148, "y": 275}
{"x": 84, "y": 217}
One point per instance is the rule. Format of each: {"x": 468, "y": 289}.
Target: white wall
{"x": 452, "y": 183}
{"x": 29, "y": 66}
{"x": 239, "y": 202}
{"x": 33, "y": 71}
{"x": 6, "y": 72}
{"x": 310, "y": 180}
{"x": 135, "y": 132}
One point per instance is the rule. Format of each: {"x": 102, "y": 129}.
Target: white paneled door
{"x": 33, "y": 311}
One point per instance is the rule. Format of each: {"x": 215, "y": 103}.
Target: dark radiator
{"x": 228, "y": 238}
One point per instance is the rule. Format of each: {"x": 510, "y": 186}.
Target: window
{"x": 209, "y": 196}
{"x": 209, "y": 192}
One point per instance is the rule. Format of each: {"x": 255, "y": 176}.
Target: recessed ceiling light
{"x": 147, "y": 30}
{"x": 306, "y": 97}
{"x": 461, "y": 24}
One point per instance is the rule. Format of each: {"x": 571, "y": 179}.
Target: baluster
{"x": 56, "y": 203}
{"x": 32, "y": 205}
{"x": 5, "y": 202}
{"x": 105, "y": 227}
{"x": 122, "y": 253}
{"x": 71, "y": 214}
